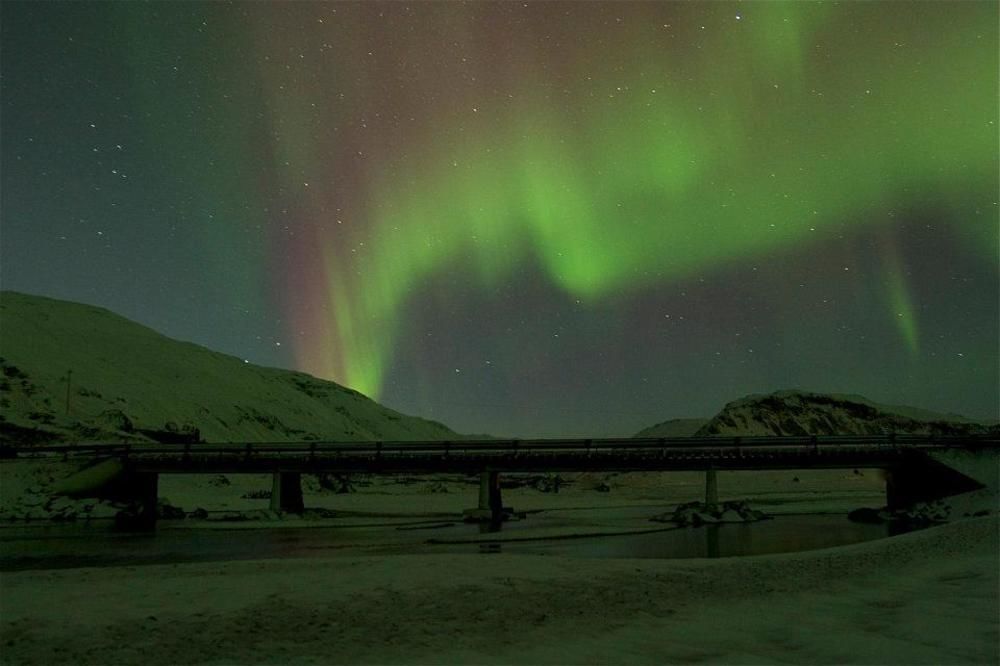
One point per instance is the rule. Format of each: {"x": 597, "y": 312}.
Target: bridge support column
{"x": 496, "y": 501}
{"x": 147, "y": 490}
{"x": 286, "y": 492}
{"x": 140, "y": 490}
{"x": 490, "y": 499}
{"x": 484, "y": 491}
{"x": 711, "y": 488}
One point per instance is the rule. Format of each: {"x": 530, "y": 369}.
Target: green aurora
{"x": 524, "y": 218}
{"x": 782, "y": 130}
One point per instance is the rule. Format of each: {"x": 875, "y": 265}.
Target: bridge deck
{"x": 563, "y": 455}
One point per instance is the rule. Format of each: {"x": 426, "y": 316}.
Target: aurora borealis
{"x": 524, "y": 218}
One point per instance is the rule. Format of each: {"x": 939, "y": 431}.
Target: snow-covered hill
{"x": 802, "y": 413}
{"x": 129, "y": 382}
{"x": 673, "y": 428}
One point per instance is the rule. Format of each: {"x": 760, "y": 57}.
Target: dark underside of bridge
{"x": 917, "y": 477}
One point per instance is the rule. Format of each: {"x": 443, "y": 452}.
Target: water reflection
{"x": 712, "y": 540}
{"x": 490, "y": 526}
{"x": 780, "y": 535}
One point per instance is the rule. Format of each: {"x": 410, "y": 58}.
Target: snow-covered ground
{"x": 923, "y": 597}
{"x": 927, "y": 597}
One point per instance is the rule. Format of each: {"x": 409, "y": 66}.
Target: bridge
{"x": 912, "y": 473}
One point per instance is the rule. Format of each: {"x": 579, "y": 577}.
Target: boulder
{"x": 102, "y": 510}
{"x": 60, "y": 504}
{"x": 705, "y": 519}
{"x": 866, "y": 515}
{"x": 167, "y": 511}
{"x": 115, "y": 419}
{"x": 130, "y": 518}
{"x": 699, "y": 513}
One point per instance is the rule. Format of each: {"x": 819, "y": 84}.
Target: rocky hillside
{"x": 128, "y": 382}
{"x": 800, "y": 413}
{"x": 673, "y": 428}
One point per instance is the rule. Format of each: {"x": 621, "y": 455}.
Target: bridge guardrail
{"x": 515, "y": 447}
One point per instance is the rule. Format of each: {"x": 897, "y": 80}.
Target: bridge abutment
{"x": 920, "y": 478}
{"x": 286, "y": 492}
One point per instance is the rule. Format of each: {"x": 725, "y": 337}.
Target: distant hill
{"x": 131, "y": 383}
{"x": 802, "y": 413}
{"x": 673, "y": 428}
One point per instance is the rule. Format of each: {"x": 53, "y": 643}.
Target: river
{"x": 45, "y": 546}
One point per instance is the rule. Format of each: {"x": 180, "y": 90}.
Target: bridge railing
{"x": 514, "y": 447}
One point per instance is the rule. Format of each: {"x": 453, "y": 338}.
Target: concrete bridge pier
{"x": 711, "y": 488}
{"x": 141, "y": 491}
{"x": 286, "y": 492}
{"x": 490, "y": 500}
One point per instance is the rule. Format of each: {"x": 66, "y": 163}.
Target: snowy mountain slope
{"x": 803, "y": 413}
{"x": 673, "y": 428}
{"x": 129, "y": 382}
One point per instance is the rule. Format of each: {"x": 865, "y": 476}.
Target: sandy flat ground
{"x": 928, "y": 597}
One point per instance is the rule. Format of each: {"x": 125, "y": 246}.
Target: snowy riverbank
{"x": 924, "y": 597}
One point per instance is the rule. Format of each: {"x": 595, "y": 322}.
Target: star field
{"x": 524, "y": 218}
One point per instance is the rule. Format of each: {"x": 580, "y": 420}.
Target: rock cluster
{"x": 923, "y": 513}
{"x": 436, "y": 487}
{"x": 549, "y": 483}
{"x": 36, "y": 505}
{"x": 167, "y": 511}
{"x": 699, "y": 513}
{"x": 339, "y": 484}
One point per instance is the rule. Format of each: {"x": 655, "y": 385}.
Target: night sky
{"x": 523, "y": 218}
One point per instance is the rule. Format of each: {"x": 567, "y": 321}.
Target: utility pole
{"x": 69, "y": 384}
